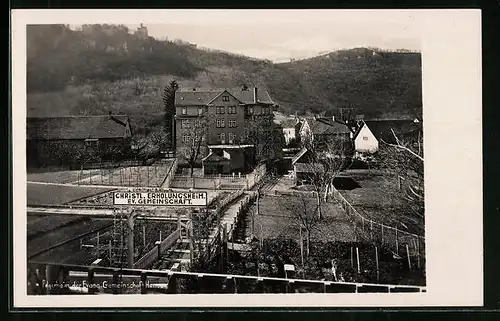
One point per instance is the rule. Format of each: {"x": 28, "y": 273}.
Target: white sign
{"x": 160, "y": 198}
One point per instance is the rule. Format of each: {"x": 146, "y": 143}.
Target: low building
{"x": 73, "y": 139}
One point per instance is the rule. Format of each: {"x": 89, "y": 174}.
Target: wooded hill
{"x": 104, "y": 68}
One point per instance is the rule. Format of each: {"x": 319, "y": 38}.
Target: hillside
{"x": 105, "y": 68}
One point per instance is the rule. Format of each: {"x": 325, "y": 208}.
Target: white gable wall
{"x": 365, "y": 141}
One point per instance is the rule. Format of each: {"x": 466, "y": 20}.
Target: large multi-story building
{"x": 223, "y": 127}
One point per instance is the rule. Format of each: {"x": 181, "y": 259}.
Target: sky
{"x": 279, "y": 35}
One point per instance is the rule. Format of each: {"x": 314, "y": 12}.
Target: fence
{"x": 150, "y": 175}
{"x": 230, "y": 198}
{"x": 289, "y": 193}
{"x": 402, "y": 243}
{"x": 167, "y": 281}
{"x": 170, "y": 174}
{"x": 154, "y": 254}
{"x": 255, "y": 176}
{"x": 220, "y": 181}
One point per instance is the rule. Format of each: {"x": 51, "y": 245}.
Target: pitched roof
{"x": 76, "y": 127}
{"x": 309, "y": 167}
{"x": 325, "y": 126}
{"x": 381, "y": 129}
{"x": 202, "y": 96}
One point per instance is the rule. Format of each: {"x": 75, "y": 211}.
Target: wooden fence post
{"x": 397, "y": 242}
{"x": 408, "y": 255}
{"x": 418, "y": 252}
{"x": 357, "y": 258}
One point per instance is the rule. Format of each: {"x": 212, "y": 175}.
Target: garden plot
{"x": 370, "y": 199}
{"x": 318, "y": 265}
{"x": 275, "y": 220}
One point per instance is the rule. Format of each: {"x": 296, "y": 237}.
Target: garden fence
{"x": 401, "y": 243}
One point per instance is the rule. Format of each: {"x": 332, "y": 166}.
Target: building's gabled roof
{"x": 76, "y": 127}
{"x": 381, "y": 129}
{"x": 326, "y": 126}
{"x": 202, "y": 96}
{"x": 309, "y": 167}
{"x": 247, "y": 96}
{"x": 199, "y": 96}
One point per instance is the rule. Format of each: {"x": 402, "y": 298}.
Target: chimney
{"x": 109, "y": 114}
{"x": 255, "y": 95}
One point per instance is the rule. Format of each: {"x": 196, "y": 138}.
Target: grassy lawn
{"x": 276, "y": 221}
{"x": 370, "y": 198}
{"x": 38, "y": 194}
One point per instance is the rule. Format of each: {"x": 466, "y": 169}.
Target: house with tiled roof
{"x": 321, "y": 131}
{"x": 230, "y": 114}
{"x": 58, "y": 139}
{"x": 372, "y": 133}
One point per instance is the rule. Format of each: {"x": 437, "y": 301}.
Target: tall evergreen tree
{"x": 169, "y": 102}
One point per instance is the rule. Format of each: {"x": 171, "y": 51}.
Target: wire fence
{"x": 402, "y": 243}
{"x": 147, "y": 176}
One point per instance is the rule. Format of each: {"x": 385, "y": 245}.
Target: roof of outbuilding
{"x": 76, "y": 127}
{"x": 309, "y": 167}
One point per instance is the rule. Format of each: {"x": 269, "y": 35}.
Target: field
{"x": 367, "y": 193}
{"x": 54, "y": 177}
{"x": 275, "y": 220}
{"x": 42, "y": 194}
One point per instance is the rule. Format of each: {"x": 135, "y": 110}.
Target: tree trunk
{"x": 308, "y": 238}
{"x": 318, "y": 200}
{"x": 325, "y": 195}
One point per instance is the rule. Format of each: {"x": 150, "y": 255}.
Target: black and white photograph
{"x": 241, "y": 156}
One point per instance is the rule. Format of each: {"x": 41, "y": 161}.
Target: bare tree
{"x": 194, "y": 138}
{"x": 327, "y": 158}
{"x": 266, "y": 138}
{"x": 304, "y": 213}
{"x": 403, "y": 160}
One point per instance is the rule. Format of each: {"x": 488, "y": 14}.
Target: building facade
{"x": 222, "y": 125}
